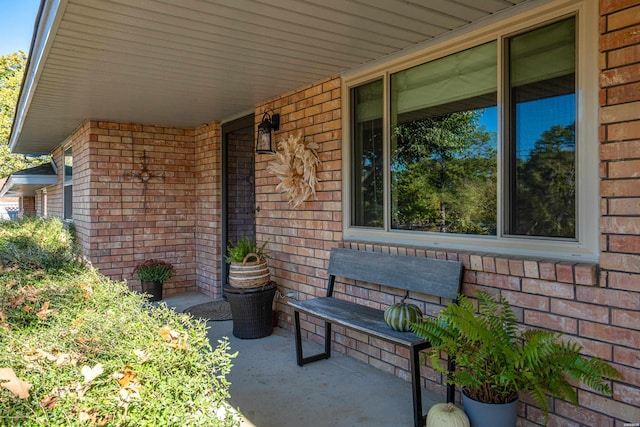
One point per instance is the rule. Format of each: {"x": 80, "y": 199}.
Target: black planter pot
{"x": 154, "y": 289}
{"x": 251, "y": 310}
{"x": 490, "y": 414}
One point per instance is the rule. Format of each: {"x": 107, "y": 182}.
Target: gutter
{"x": 46, "y": 24}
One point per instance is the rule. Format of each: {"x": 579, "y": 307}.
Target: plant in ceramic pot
{"x": 495, "y": 359}
{"x": 152, "y": 274}
{"x": 248, "y": 265}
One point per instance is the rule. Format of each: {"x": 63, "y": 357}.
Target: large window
{"x": 368, "y": 172}
{"x": 68, "y": 184}
{"x": 478, "y": 147}
{"x": 541, "y": 141}
{"x": 443, "y": 144}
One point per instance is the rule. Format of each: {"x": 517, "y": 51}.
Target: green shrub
{"x": 63, "y": 322}
{"x": 37, "y": 243}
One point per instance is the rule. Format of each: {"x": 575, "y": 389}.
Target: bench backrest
{"x": 429, "y": 276}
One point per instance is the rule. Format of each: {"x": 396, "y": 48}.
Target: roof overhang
{"x": 26, "y": 182}
{"x": 25, "y": 186}
{"x": 187, "y": 63}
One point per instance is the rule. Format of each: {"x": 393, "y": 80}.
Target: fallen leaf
{"x": 19, "y": 300}
{"x": 65, "y": 358}
{"x": 45, "y": 311}
{"x": 30, "y": 293}
{"x": 132, "y": 391}
{"x": 80, "y": 391}
{"x": 11, "y": 382}
{"x": 91, "y": 374}
{"x": 14, "y": 282}
{"x": 57, "y": 357}
{"x": 46, "y": 355}
{"x": 168, "y": 334}
{"x": 87, "y": 416}
{"x": 125, "y": 377}
{"x": 88, "y": 291}
{"x": 130, "y": 385}
{"x": 142, "y": 356}
{"x": 48, "y": 402}
{"x": 27, "y": 308}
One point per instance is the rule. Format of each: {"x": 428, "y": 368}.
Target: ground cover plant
{"x": 78, "y": 349}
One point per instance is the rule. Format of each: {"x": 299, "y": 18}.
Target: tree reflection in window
{"x": 444, "y": 175}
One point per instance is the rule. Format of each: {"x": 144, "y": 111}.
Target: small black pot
{"x": 154, "y": 289}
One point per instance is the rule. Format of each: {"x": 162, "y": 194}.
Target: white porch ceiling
{"x": 187, "y": 62}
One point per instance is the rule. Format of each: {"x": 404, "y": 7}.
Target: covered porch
{"x": 135, "y": 97}
{"x": 271, "y": 390}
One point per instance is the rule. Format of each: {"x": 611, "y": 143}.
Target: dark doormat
{"x": 212, "y": 310}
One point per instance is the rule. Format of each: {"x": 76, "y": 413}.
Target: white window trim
{"x": 586, "y": 248}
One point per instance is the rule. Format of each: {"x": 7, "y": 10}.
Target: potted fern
{"x": 250, "y": 292}
{"x": 495, "y": 359}
{"x": 247, "y": 263}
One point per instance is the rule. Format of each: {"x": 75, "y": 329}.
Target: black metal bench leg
{"x": 418, "y": 418}
{"x": 300, "y": 359}
{"x": 451, "y": 389}
{"x": 327, "y": 339}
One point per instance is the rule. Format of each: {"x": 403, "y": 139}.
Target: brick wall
{"x": 208, "y": 198}
{"x": 54, "y": 192}
{"x": 27, "y": 206}
{"x": 40, "y": 203}
{"x": 83, "y": 206}
{"x": 300, "y": 239}
{"x": 134, "y": 198}
{"x": 120, "y": 223}
{"x": 597, "y": 306}
{"x": 619, "y": 291}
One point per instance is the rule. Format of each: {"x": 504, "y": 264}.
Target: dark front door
{"x": 238, "y": 183}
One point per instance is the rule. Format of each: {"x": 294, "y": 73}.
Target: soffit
{"x": 25, "y": 182}
{"x": 186, "y": 63}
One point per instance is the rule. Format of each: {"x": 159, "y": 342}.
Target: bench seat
{"x": 436, "y": 277}
{"x": 355, "y": 316}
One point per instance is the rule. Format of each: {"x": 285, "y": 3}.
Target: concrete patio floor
{"x": 271, "y": 390}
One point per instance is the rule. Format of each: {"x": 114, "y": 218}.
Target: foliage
{"x": 444, "y": 179}
{"x": 444, "y": 171}
{"x": 153, "y": 270}
{"x": 495, "y": 359}
{"x": 37, "y": 243}
{"x": 236, "y": 252}
{"x": 12, "y": 68}
{"x": 79, "y": 349}
{"x": 546, "y": 186}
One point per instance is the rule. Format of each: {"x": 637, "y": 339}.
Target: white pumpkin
{"x": 447, "y": 415}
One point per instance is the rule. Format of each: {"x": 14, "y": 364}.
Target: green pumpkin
{"x": 400, "y": 315}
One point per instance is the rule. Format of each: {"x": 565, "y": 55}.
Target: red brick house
{"x": 150, "y": 110}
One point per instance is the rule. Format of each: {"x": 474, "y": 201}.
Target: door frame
{"x": 227, "y": 128}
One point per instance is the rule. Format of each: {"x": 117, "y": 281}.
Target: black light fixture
{"x": 264, "y": 142}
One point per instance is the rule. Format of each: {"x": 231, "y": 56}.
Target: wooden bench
{"x": 435, "y": 277}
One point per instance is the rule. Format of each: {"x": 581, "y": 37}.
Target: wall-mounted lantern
{"x": 265, "y": 141}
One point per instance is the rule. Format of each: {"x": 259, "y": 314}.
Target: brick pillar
{"x": 620, "y": 143}
{"x": 27, "y": 206}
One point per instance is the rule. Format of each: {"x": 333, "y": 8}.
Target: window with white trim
{"x": 479, "y": 148}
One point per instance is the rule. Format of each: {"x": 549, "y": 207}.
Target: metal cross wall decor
{"x": 144, "y": 175}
